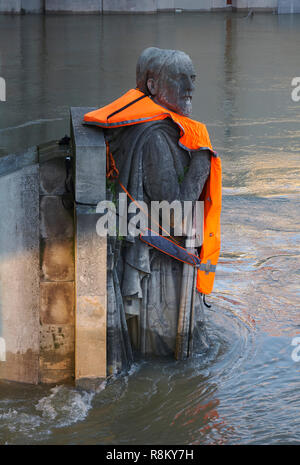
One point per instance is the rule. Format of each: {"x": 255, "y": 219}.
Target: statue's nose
{"x": 190, "y": 84}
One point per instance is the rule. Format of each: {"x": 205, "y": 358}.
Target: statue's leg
{"x": 161, "y": 293}
{"x": 201, "y": 341}
{"x": 119, "y": 353}
{"x": 133, "y": 330}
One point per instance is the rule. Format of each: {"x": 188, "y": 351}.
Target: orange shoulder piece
{"x": 135, "y": 107}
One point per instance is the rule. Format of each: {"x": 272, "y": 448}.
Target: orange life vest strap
{"x": 112, "y": 171}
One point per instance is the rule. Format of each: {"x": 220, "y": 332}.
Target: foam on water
{"x": 62, "y": 407}
{"x": 65, "y": 406}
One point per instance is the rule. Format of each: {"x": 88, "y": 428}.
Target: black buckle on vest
{"x": 126, "y": 106}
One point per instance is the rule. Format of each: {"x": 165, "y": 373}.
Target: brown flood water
{"x": 247, "y": 390}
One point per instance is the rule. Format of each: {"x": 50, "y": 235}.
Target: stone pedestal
{"x": 90, "y": 252}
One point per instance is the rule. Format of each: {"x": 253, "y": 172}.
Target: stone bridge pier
{"x": 53, "y": 263}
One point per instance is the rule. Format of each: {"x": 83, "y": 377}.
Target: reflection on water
{"x": 246, "y": 389}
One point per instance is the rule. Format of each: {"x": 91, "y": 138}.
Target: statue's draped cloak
{"x": 152, "y": 166}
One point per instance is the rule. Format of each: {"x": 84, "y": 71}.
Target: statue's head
{"x": 168, "y": 77}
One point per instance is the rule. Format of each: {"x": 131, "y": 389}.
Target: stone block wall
{"x": 57, "y": 304}
{"x": 218, "y": 4}
{"x": 129, "y": 6}
{"x": 32, "y": 6}
{"x": 288, "y": 6}
{"x": 19, "y": 268}
{"x": 257, "y": 5}
{"x": 21, "y": 6}
{"x": 37, "y": 304}
{"x": 193, "y": 5}
{"x": 10, "y": 6}
{"x": 165, "y": 5}
{"x": 53, "y": 264}
{"x": 73, "y": 6}
{"x": 140, "y": 6}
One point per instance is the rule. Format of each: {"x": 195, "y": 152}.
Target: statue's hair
{"x": 151, "y": 62}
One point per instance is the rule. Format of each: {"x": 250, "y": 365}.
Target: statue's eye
{"x": 185, "y": 76}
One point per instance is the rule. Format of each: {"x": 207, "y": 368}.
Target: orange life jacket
{"x": 135, "y": 107}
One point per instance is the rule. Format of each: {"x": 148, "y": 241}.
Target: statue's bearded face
{"x": 173, "y": 88}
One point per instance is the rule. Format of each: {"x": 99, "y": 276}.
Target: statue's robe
{"x": 152, "y": 166}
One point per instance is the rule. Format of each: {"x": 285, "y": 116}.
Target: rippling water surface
{"x": 246, "y": 390}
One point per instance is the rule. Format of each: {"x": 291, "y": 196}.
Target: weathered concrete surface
{"x": 53, "y": 176}
{"x": 90, "y": 157}
{"x": 129, "y": 6}
{"x": 57, "y": 303}
{"x": 32, "y": 6}
{"x": 57, "y": 259}
{"x": 240, "y": 4}
{"x": 21, "y": 367}
{"x": 263, "y": 5}
{"x": 152, "y": 6}
{"x": 21, "y": 6}
{"x": 56, "y": 353}
{"x": 16, "y": 161}
{"x": 140, "y": 6}
{"x": 51, "y": 150}
{"x": 37, "y": 299}
{"x": 218, "y": 4}
{"x": 288, "y": 6}
{"x": 90, "y": 349}
{"x": 56, "y": 221}
{"x": 193, "y": 5}
{"x": 19, "y": 274}
{"x": 57, "y": 296}
{"x": 165, "y": 5}
{"x": 88, "y": 384}
{"x": 74, "y": 6}
{"x": 258, "y": 5}
{"x": 37, "y": 291}
{"x": 10, "y": 6}
{"x": 90, "y": 252}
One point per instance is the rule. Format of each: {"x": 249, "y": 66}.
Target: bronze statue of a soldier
{"x": 158, "y": 154}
